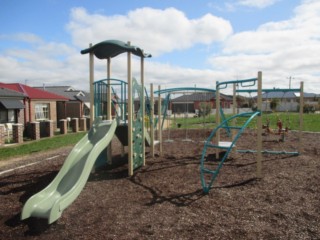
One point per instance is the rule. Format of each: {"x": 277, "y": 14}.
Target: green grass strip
{"x": 40, "y": 145}
{"x": 291, "y": 120}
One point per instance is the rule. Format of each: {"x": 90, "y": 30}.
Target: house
{"x": 39, "y": 105}
{"x": 11, "y": 106}
{"x": 286, "y": 101}
{"x": 78, "y": 104}
{"x": 289, "y": 101}
{"x": 312, "y": 101}
{"x": 191, "y": 102}
{"x": 136, "y": 103}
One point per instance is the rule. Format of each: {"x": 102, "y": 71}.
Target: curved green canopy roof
{"x": 112, "y": 48}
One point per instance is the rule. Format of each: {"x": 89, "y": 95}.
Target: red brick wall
{"x": 52, "y": 107}
{"x": 73, "y": 109}
{"x": 2, "y": 134}
{"x": 197, "y": 104}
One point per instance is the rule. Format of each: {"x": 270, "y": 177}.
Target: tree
{"x": 274, "y": 103}
{"x": 205, "y": 108}
{"x": 242, "y": 101}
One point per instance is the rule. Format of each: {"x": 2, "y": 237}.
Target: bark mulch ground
{"x": 164, "y": 199}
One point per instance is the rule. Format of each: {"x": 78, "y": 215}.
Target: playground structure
{"x": 89, "y": 152}
{"x": 168, "y": 92}
{"x": 113, "y": 113}
{"x": 280, "y": 129}
{"x": 208, "y": 171}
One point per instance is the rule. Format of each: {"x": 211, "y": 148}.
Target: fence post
{"x": 63, "y": 126}
{"x": 2, "y": 134}
{"x": 75, "y": 124}
{"x": 35, "y": 130}
{"x": 83, "y": 124}
{"x": 17, "y": 133}
{"x": 49, "y": 128}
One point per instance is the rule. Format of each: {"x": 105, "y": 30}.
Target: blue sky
{"x": 212, "y": 40}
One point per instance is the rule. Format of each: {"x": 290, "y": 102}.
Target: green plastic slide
{"x": 73, "y": 175}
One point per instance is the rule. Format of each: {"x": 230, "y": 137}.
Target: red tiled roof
{"x": 31, "y": 92}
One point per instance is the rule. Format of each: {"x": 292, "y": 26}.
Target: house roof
{"x": 280, "y": 95}
{"x": 12, "y": 103}
{"x": 7, "y": 93}
{"x": 31, "y": 92}
{"x": 310, "y": 95}
{"x": 286, "y": 95}
{"x": 68, "y": 92}
{"x": 85, "y": 98}
{"x": 199, "y": 96}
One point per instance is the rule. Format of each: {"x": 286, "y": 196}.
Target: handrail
{"x": 195, "y": 89}
{"x": 112, "y": 79}
{"x": 232, "y": 117}
{"x": 206, "y": 187}
{"x": 223, "y": 85}
{"x": 267, "y": 90}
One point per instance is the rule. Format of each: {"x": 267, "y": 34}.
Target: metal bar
{"x": 267, "y": 152}
{"x": 269, "y": 90}
{"x": 223, "y": 85}
{"x": 168, "y": 90}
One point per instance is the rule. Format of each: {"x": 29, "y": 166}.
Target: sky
{"x": 193, "y": 43}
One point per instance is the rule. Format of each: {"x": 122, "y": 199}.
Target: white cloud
{"x": 284, "y": 48}
{"x": 24, "y": 37}
{"x": 279, "y": 49}
{"x": 159, "y": 31}
{"x": 41, "y": 63}
{"x": 232, "y": 5}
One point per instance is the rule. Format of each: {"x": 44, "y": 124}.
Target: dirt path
{"x": 164, "y": 199}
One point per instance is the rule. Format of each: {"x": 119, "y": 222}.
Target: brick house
{"x": 39, "y": 105}
{"x": 78, "y": 105}
{"x": 191, "y": 102}
{"x": 11, "y": 106}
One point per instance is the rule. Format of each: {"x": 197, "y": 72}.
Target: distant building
{"x": 191, "y": 102}
{"x": 39, "y": 105}
{"x": 12, "y": 108}
{"x": 78, "y": 105}
{"x": 289, "y": 101}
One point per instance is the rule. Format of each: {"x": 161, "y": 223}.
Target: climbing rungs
{"x": 221, "y": 145}
{"x": 206, "y": 170}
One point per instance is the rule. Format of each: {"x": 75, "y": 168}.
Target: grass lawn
{"x": 311, "y": 121}
{"x": 40, "y": 145}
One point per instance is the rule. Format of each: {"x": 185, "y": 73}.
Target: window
{"x": 11, "y": 116}
{"x": 3, "y": 116}
{"x": 7, "y": 116}
{"x": 42, "y": 111}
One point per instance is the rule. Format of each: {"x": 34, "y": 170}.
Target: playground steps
{"x": 208, "y": 175}
{"x": 206, "y": 170}
{"x": 220, "y": 145}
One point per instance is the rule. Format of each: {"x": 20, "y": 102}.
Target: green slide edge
{"x": 73, "y": 175}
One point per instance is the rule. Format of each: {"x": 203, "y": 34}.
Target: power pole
{"x": 290, "y": 78}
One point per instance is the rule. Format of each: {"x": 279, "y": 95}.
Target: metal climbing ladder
{"x": 209, "y": 172}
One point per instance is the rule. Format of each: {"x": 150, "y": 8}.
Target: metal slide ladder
{"x": 208, "y": 175}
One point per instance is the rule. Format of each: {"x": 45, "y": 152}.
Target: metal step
{"x": 221, "y": 145}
